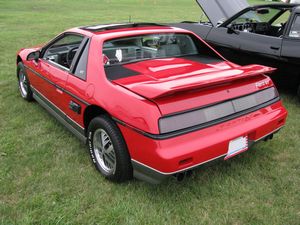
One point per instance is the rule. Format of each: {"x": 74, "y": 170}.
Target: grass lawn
{"x": 46, "y": 176}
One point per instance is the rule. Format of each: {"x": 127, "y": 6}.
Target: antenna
{"x": 129, "y": 19}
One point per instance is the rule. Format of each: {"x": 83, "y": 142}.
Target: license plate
{"x": 237, "y": 146}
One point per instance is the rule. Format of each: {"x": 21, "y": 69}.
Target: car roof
{"x": 124, "y": 29}
{"x": 107, "y": 27}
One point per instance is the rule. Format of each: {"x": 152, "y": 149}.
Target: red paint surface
{"x": 162, "y": 77}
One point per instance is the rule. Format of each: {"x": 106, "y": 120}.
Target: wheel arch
{"x": 19, "y": 59}
{"x": 91, "y": 112}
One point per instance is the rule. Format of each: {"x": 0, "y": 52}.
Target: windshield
{"x": 259, "y": 15}
{"x": 153, "y": 46}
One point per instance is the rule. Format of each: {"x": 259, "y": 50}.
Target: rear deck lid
{"x": 164, "y": 77}
{"x": 220, "y": 10}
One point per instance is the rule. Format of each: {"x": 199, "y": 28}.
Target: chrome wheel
{"x": 108, "y": 149}
{"x": 104, "y": 151}
{"x": 23, "y": 84}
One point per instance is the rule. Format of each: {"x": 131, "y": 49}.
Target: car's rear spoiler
{"x": 153, "y": 90}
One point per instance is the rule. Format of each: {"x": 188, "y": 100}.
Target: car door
{"x": 260, "y": 45}
{"x": 78, "y": 89}
{"x": 245, "y": 47}
{"x": 57, "y": 58}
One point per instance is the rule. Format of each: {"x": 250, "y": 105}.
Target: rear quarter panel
{"x": 120, "y": 103}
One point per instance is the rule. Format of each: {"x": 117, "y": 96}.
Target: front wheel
{"x": 108, "y": 149}
{"x": 23, "y": 82}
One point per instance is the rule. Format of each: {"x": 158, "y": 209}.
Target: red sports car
{"x": 150, "y": 100}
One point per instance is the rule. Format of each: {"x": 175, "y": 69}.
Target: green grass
{"x": 46, "y": 176}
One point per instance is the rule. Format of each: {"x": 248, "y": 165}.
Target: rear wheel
{"x": 23, "y": 82}
{"x": 108, "y": 149}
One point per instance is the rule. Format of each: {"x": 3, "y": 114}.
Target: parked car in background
{"x": 151, "y": 101}
{"x": 265, "y": 34}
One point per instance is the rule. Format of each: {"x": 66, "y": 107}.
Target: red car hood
{"x": 162, "y": 77}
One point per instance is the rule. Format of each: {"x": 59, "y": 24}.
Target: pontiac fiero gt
{"x": 150, "y": 100}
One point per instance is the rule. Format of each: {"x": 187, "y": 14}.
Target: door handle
{"x": 275, "y": 48}
{"x": 75, "y": 107}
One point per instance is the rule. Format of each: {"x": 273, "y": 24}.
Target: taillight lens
{"x": 215, "y": 112}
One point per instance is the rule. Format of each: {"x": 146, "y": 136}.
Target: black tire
{"x": 122, "y": 169}
{"x": 23, "y": 83}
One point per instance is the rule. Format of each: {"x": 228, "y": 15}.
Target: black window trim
{"x": 84, "y": 44}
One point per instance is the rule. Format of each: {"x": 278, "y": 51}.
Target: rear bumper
{"x": 153, "y": 176}
{"x": 155, "y": 160}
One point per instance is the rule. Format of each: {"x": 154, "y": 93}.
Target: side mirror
{"x": 230, "y": 30}
{"x": 33, "y": 56}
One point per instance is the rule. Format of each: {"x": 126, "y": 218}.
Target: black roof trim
{"x": 105, "y": 27}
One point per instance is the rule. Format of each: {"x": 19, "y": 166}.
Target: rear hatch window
{"x": 122, "y": 51}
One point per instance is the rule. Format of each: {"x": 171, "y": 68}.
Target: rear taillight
{"x": 216, "y": 112}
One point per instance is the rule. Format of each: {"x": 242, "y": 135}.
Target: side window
{"x": 280, "y": 21}
{"x": 62, "y": 51}
{"x": 81, "y": 67}
{"x": 295, "y": 28}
